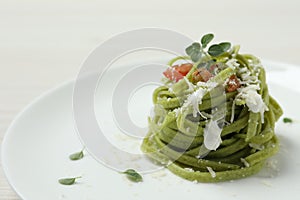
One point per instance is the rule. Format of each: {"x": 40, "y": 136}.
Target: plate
{"x": 36, "y": 147}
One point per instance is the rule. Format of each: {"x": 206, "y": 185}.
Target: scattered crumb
{"x": 266, "y": 183}
{"x": 159, "y": 174}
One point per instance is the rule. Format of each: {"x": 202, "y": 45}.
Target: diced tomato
{"x": 184, "y": 68}
{"x": 201, "y": 74}
{"x": 172, "y": 74}
{"x": 177, "y": 72}
{"x": 233, "y": 84}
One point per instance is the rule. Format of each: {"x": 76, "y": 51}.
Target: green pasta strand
{"x": 219, "y": 176}
{"x": 252, "y": 125}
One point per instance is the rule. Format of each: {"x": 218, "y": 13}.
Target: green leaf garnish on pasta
{"x": 206, "y": 39}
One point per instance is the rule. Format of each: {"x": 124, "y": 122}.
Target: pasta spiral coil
{"x": 176, "y": 135}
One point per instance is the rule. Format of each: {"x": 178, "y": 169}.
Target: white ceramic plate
{"x": 37, "y": 144}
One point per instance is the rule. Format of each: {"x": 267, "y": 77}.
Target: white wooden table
{"x": 42, "y": 43}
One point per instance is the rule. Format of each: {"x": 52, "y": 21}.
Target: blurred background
{"x": 43, "y": 43}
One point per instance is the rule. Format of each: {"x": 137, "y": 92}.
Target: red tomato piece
{"x": 172, "y": 74}
{"x": 184, "y": 68}
{"x": 202, "y": 75}
{"x": 177, "y": 72}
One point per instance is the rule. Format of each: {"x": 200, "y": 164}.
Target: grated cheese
{"x": 212, "y": 172}
{"x": 249, "y": 93}
{"x": 232, "y": 63}
{"x": 245, "y": 162}
{"x": 195, "y": 98}
{"x": 189, "y": 169}
{"x": 253, "y": 100}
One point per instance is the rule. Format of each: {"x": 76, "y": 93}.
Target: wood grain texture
{"x": 42, "y": 43}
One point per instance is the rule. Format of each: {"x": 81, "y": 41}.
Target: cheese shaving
{"x": 212, "y": 172}
{"x": 212, "y": 135}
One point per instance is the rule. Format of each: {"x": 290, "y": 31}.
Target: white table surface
{"x": 42, "y": 43}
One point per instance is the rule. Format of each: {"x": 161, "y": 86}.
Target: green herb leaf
{"x": 133, "y": 175}
{"x": 77, "y": 156}
{"x": 194, "y": 51}
{"x": 68, "y": 181}
{"x": 225, "y": 45}
{"x": 207, "y": 39}
{"x": 287, "y": 120}
{"x": 218, "y": 49}
{"x": 215, "y": 50}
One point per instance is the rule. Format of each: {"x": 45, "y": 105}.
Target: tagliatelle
{"x": 218, "y": 129}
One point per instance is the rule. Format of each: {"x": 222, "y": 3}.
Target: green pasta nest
{"x": 213, "y": 118}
